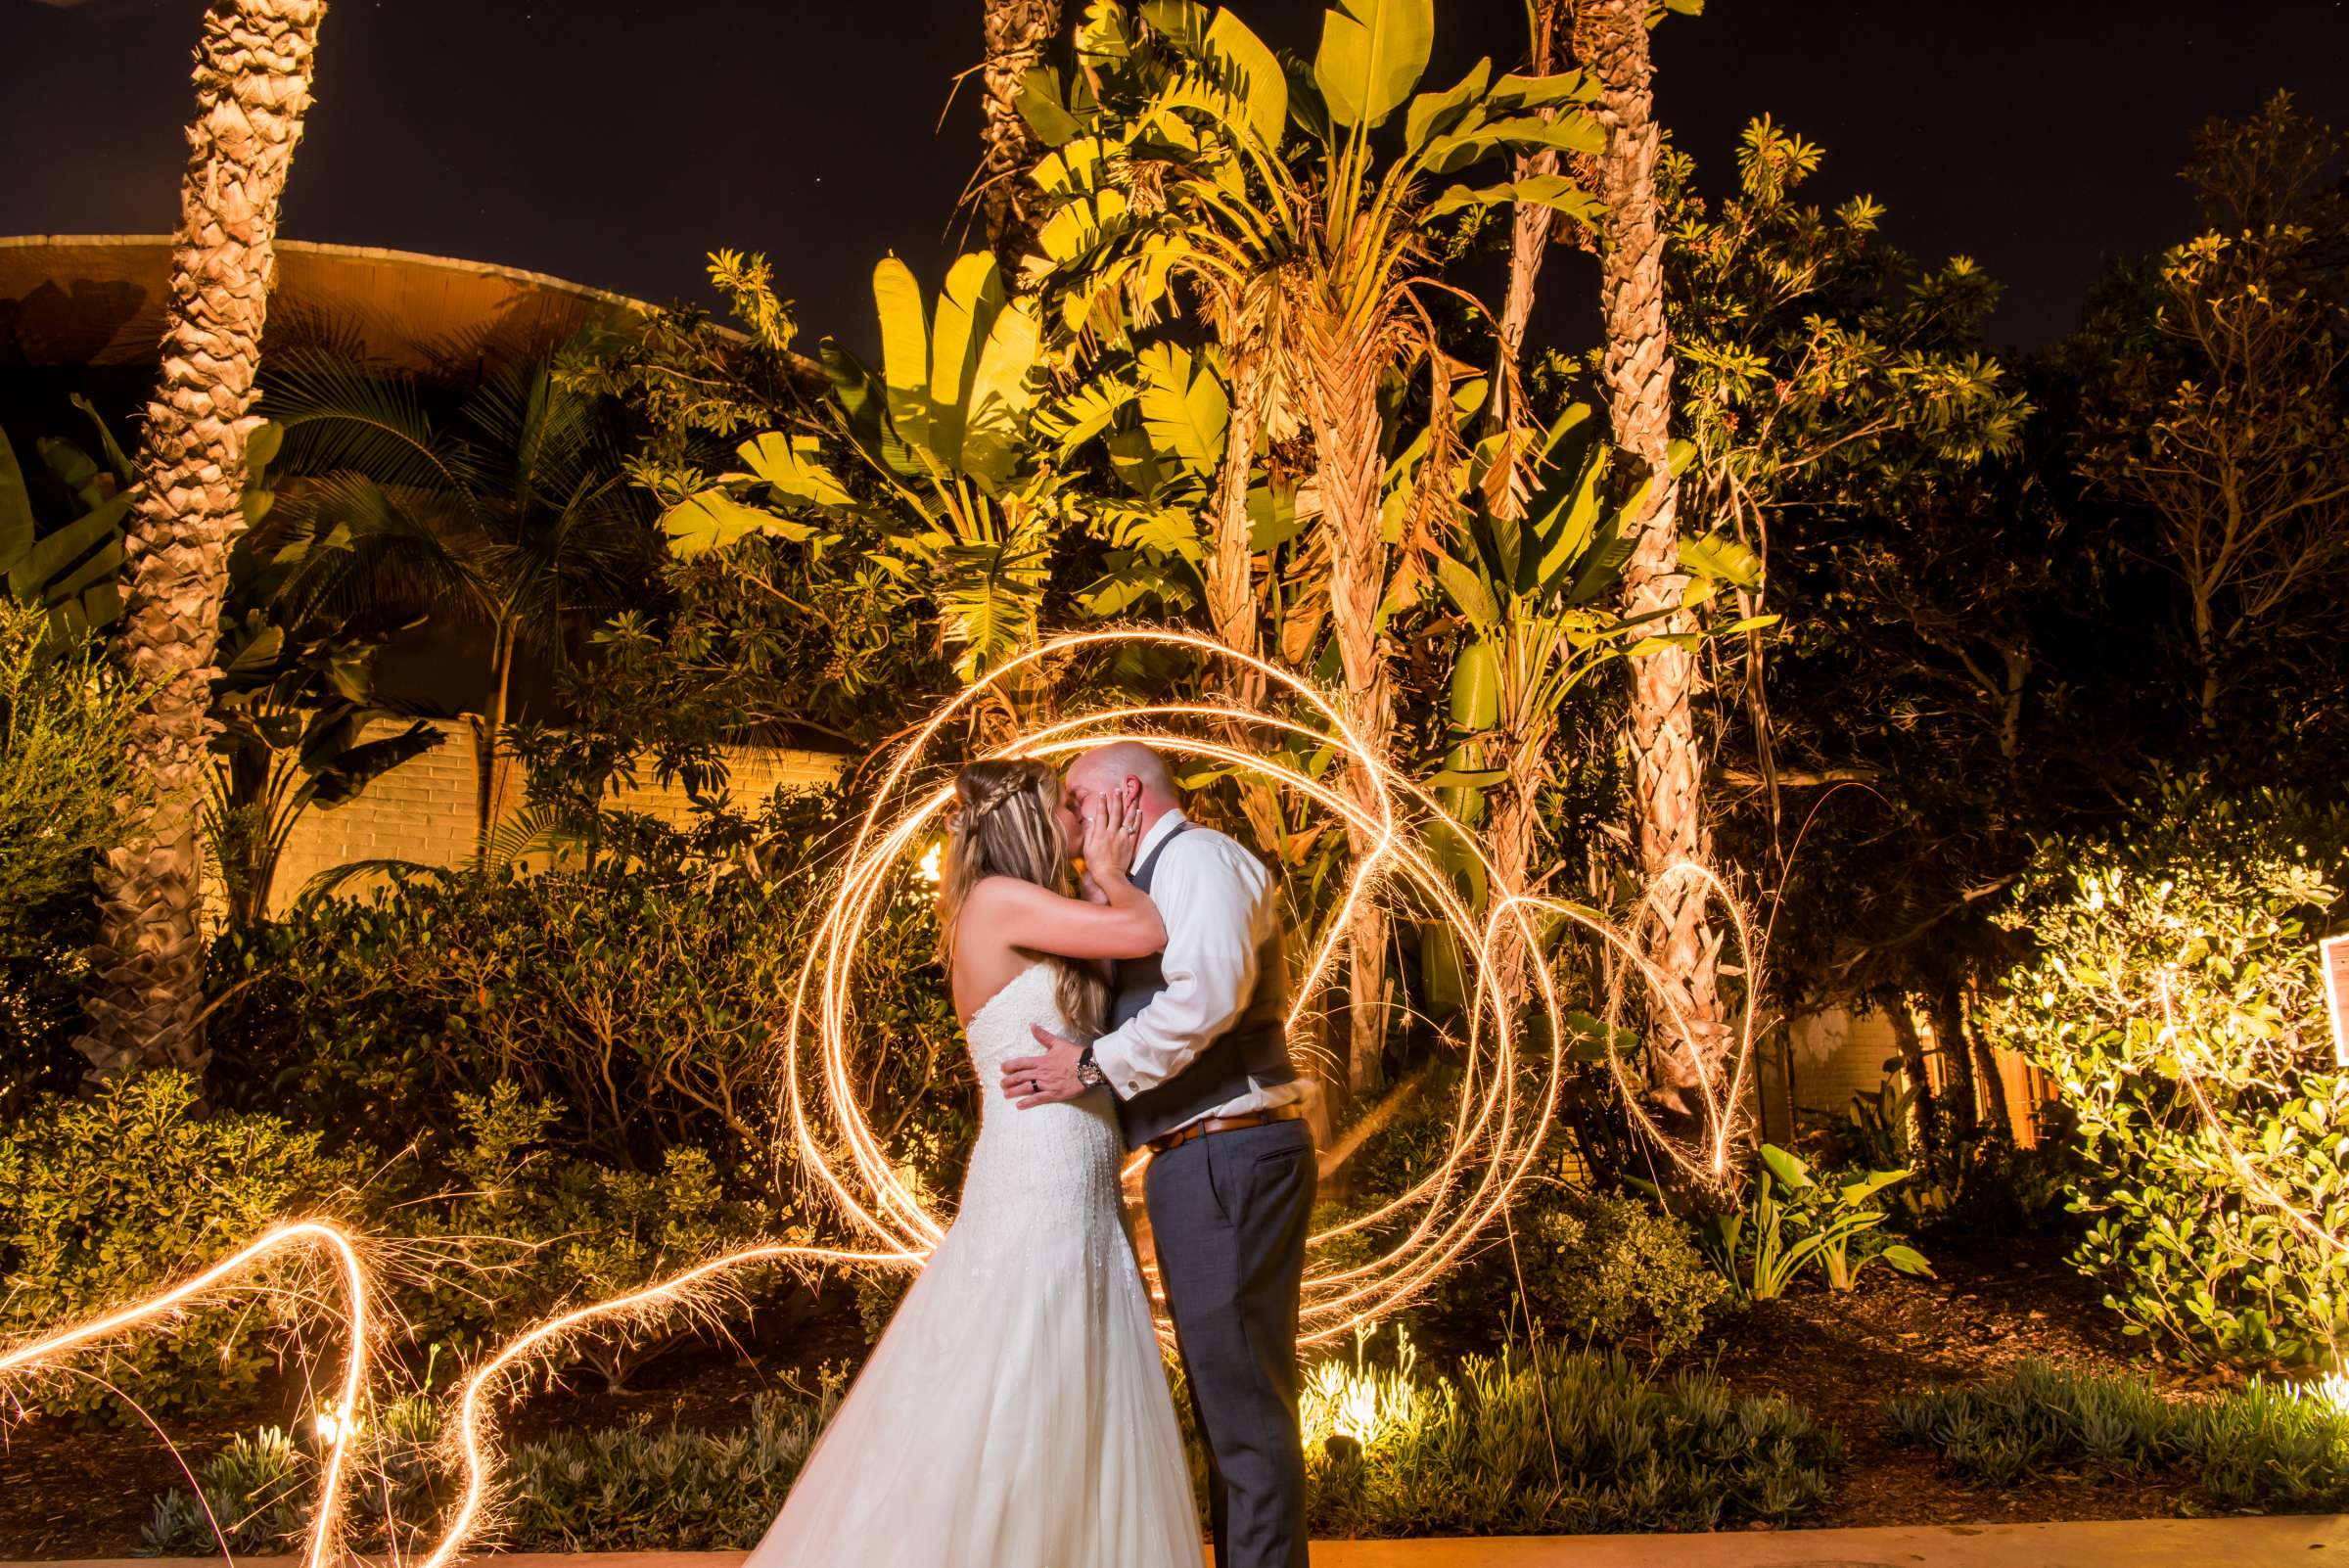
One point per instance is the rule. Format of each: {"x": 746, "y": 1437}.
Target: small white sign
{"x": 2332, "y": 955}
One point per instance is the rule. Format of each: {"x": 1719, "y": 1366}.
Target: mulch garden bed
{"x": 67, "y": 1492}
{"x": 1998, "y": 1301}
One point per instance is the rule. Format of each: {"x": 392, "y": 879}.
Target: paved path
{"x": 2319, "y": 1540}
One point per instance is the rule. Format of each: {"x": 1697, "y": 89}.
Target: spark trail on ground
{"x": 1505, "y": 1104}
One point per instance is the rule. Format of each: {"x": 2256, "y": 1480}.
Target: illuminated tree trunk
{"x": 1016, "y": 31}
{"x": 1343, "y": 360}
{"x": 1668, "y": 768}
{"x": 1517, "y": 817}
{"x": 252, "y": 88}
{"x": 1529, "y": 234}
{"x": 1911, "y": 1045}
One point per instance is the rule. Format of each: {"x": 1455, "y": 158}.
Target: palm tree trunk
{"x": 1529, "y": 235}
{"x": 1668, "y": 768}
{"x": 252, "y": 88}
{"x": 1517, "y": 819}
{"x": 488, "y": 758}
{"x": 1016, "y": 31}
{"x": 1341, "y": 383}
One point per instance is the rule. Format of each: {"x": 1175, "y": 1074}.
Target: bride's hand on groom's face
{"x": 1046, "y": 1079}
{"x": 1113, "y": 826}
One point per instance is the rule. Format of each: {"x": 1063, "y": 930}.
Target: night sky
{"x": 614, "y": 144}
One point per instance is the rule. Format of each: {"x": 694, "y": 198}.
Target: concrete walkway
{"x": 2305, "y": 1542}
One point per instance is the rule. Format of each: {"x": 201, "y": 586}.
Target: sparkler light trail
{"x": 46, "y": 1352}
{"x": 1499, "y": 1123}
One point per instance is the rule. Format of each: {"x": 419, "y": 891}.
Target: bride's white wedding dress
{"x": 1015, "y": 1414}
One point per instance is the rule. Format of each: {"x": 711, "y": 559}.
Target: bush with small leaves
{"x": 2180, "y": 955}
{"x": 104, "y": 1199}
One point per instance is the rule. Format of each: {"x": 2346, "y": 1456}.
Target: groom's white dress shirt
{"x": 1217, "y": 902}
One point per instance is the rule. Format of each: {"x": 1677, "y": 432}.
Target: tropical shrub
{"x": 1794, "y": 1224}
{"x": 2175, "y": 1001}
{"x": 2268, "y": 1446}
{"x": 104, "y": 1198}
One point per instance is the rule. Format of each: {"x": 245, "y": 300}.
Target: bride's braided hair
{"x": 1006, "y": 823}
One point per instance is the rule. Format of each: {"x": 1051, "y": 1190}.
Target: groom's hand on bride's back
{"x": 1046, "y": 1079}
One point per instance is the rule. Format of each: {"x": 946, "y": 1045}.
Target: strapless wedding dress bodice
{"x": 1015, "y": 1414}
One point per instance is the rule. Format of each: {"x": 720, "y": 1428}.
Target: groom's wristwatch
{"x": 1089, "y": 1071}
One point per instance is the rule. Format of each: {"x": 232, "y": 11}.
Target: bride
{"x": 1015, "y": 1414}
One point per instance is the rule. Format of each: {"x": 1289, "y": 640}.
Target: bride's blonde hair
{"x": 1006, "y": 823}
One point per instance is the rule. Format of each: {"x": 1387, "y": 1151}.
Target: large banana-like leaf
{"x": 905, "y": 353}
{"x": 1185, "y": 408}
{"x": 1469, "y": 593}
{"x": 1041, "y": 105}
{"x": 1544, "y": 92}
{"x": 1433, "y": 114}
{"x": 1720, "y": 558}
{"x": 1070, "y": 422}
{"x": 989, "y": 592}
{"x": 1372, "y": 54}
{"x": 966, "y": 312}
{"x": 1554, "y": 191}
{"x": 1252, "y": 74}
{"x": 793, "y": 466}
{"x": 711, "y": 519}
{"x": 1477, "y": 139}
{"x": 1000, "y": 395}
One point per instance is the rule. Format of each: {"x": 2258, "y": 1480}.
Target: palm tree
{"x": 252, "y": 90}
{"x": 1529, "y": 223}
{"x": 1305, "y": 253}
{"x": 524, "y": 497}
{"x": 1016, "y": 31}
{"x": 1667, "y": 764}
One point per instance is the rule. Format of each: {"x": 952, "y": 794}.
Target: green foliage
{"x": 256, "y": 1494}
{"x": 633, "y": 1487}
{"x": 950, "y": 503}
{"x": 1389, "y": 1452}
{"x": 1551, "y": 1441}
{"x": 543, "y": 1229}
{"x": 1793, "y": 1223}
{"x": 62, "y": 560}
{"x": 1980, "y": 1179}
{"x": 1597, "y": 1268}
{"x": 589, "y": 1056}
{"x": 2269, "y": 1448}
{"x": 2178, "y": 955}
{"x": 64, "y": 766}
{"x": 104, "y": 1198}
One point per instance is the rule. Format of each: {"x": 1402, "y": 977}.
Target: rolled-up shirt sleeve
{"x": 1215, "y": 900}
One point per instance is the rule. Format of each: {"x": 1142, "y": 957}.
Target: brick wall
{"x": 423, "y": 810}
{"x": 1836, "y": 1054}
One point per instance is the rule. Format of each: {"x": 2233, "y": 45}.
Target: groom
{"x": 1197, "y": 1057}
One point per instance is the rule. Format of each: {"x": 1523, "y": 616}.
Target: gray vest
{"x": 1253, "y": 1050}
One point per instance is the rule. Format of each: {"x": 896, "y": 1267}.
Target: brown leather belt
{"x": 1226, "y": 1124}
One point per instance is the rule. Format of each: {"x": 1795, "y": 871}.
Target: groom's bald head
{"x": 1107, "y": 770}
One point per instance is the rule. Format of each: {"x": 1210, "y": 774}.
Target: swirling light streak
{"x": 1496, "y": 1140}
{"x": 1496, "y": 1136}
{"x": 44, "y": 1353}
